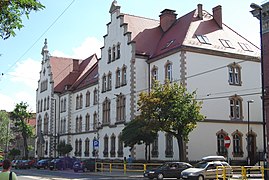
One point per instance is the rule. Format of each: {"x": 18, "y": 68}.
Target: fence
{"x": 222, "y": 172}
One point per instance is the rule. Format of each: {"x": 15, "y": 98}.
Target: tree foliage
{"x": 14, "y": 152}
{"x": 12, "y": 12}
{"x": 5, "y": 134}
{"x": 138, "y": 131}
{"x": 172, "y": 109}
{"x": 63, "y": 148}
{"x": 20, "y": 115}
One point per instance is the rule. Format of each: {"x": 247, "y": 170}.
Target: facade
{"x": 79, "y": 101}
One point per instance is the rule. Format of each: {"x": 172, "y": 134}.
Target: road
{"x": 35, "y": 174}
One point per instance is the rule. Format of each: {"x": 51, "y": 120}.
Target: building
{"x": 82, "y": 100}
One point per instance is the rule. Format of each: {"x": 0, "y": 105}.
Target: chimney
{"x": 200, "y": 11}
{"x": 167, "y": 18}
{"x": 217, "y": 15}
{"x": 75, "y": 65}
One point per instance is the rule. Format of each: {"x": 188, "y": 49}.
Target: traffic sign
{"x": 227, "y": 141}
{"x": 95, "y": 144}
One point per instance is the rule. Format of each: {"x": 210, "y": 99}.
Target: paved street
{"x": 34, "y": 174}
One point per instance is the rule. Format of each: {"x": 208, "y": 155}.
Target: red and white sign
{"x": 227, "y": 141}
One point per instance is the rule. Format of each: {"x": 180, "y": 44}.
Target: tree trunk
{"x": 149, "y": 153}
{"x": 24, "y": 136}
{"x": 181, "y": 153}
{"x": 146, "y": 152}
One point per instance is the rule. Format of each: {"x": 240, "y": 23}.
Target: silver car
{"x": 207, "y": 170}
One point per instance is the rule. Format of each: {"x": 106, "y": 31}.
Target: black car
{"x": 62, "y": 163}
{"x": 85, "y": 165}
{"x": 43, "y": 163}
{"x": 57, "y": 164}
{"x": 167, "y": 170}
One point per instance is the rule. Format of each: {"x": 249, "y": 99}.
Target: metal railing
{"x": 222, "y": 172}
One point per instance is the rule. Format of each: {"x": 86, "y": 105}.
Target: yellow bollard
{"x": 145, "y": 167}
{"x": 110, "y": 167}
{"x": 102, "y": 167}
{"x": 224, "y": 173}
{"x": 124, "y": 168}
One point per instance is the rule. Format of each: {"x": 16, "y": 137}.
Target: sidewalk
{"x": 118, "y": 174}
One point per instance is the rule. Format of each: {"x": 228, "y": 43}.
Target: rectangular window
{"x": 203, "y": 39}
{"x": 245, "y": 46}
{"x": 226, "y": 43}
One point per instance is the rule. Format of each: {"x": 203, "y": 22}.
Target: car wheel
{"x": 38, "y": 168}
{"x": 84, "y": 169}
{"x": 160, "y": 176}
{"x": 45, "y": 167}
{"x": 51, "y": 168}
{"x": 75, "y": 170}
{"x": 200, "y": 177}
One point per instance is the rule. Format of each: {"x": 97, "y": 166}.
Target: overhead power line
{"x": 39, "y": 38}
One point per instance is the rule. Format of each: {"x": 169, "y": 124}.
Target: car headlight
{"x": 151, "y": 172}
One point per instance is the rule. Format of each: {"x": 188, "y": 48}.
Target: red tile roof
{"x": 68, "y": 71}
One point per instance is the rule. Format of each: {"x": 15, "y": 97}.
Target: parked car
{"x": 167, "y": 170}
{"x": 43, "y": 163}
{"x": 85, "y": 165}
{"x": 207, "y": 169}
{"x": 62, "y": 163}
{"x": 23, "y": 164}
{"x": 15, "y": 163}
{"x": 57, "y": 164}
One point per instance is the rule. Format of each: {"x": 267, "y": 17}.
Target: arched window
{"x": 106, "y": 111}
{"x": 155, "y": 148}
{"x": 118, "y": 50}
{"x": 113, "y": 146}
{"x": 124, "y": 76}
{"x": 109, "y": 81}
{"x": 168, "y": 71}
{"x": 104, "y": 83}
{"x": 237, "y": 144}
{"x": 118, "y": 78}
{"x": 46, "y": 124}
{"x": 87, "y": 99}
{"x": 169, "y": 145}
{"x": 121, "y": 107}
{"x": 120, "y": 146}
{"x": 48, "y": 103}
{"x": 109, "y": 55}
{"x": 87, "y": 147}
{"x": 87, "y": 126}
{"x": 105, "y": 152}
{"x": 221, "y": 149}
{"x": 234, "y": 74}
{"x": 236, "y": 110}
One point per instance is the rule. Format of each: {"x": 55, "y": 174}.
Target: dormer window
{"x": 203, "y": 39}
{"x": 226, "y": 43}
{"x": 245, "y": 46}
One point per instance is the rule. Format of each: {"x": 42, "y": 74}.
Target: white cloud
{"x": 9, "y": 104}
{"x": 27, "y": 73}
{"x": 29, "y": 98}
{"x": 90, "y": 46}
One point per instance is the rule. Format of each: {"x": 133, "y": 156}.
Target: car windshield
{"x": 163, "y": 166}
{"x": 201, "y": 164}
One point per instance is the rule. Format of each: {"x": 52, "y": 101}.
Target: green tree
{"x": 5, "y": 134}
{"x": 20, "y": 115}
{"x": 172, "y": 109}
{"x": 12, "y": 12}
{"x": 63, "y": 148}
{"x": 14, "y": 152}
{"x": 137, "y": 131}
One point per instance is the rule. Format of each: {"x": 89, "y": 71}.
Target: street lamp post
{"x": 258, "y": 8}
{"x": 248, "y": 139}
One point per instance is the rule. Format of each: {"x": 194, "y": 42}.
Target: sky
{"x": 75, "y": 28}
